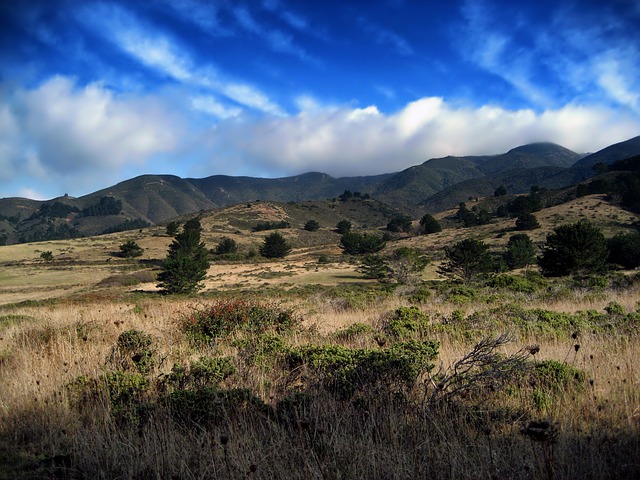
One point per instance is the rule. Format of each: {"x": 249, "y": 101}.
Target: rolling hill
{"x": 431, "y": 186}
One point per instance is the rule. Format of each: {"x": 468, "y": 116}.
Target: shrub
{"x": 46, "y": 256}
{"x": 345, "y": 371}
{"x": 226, "y": 245}
{"x": 311, "y": 226}
{"x": 429, "y": 224}
{"x": 227, "y": 317}
{"x": 275, "y": 246}
{"x": 343, "y": 226}
{"x": 133, "y": 350}
{"x": 405, "y": 322}
{"x": 206, "y": 371}
{"x": 130, "y": 249}
{"x": 401, "y": 223}
{"x": 271, "y": 226}
{"x": 557, "y": 376}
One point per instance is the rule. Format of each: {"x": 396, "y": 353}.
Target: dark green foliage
{"x": 311, "y": 225}
{"x": 525, "y": 204}
{"x": 275, "y": 246}
{"x": 186, "y": 264}
{"x": 429, "y": 224}
{"x": 401, "y": 223}
{"x": 53, "y": 231}
{"x": 344, "y": 371}
{"x": 361, "y": 243}
{"x": 227, "y": 317}
{"x": 130, "y": 249}
{"x": 467, "y": 259}
{"x": 172, "y": 228}
{"x": 374, "y": 266}
{"x": 406, "y": 264}
{"x": 483, "y": 217}
{"x": 55, "y": 210}
{"x": 624, "y": 250}
{"x": 106, "y": 206}
{"x": 208, "y": 406}
{"x": 520, "y": 251}
{"x": 466, "y": 216}
{"x": 226, "y": 245}
{"x": 133, "y": 351}
{"x": 500, "y": 191}
{"x": 343, "y": 226}
{"x": 47, "y": 256}
{"x": 127, "y": 225}
{"x": 578, "y": 248}
{"x": 260, "y": 227}
{"x": 527, "y": 221}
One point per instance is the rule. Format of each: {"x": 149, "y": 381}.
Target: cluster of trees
{"x": 105, "y": 206}
{"x": 348, "y": 195}
{"x": 271, "y": 226}
{"x": 54, "y": 210}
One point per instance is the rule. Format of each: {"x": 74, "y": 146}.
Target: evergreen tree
{"x": 275, "y": 246}
{"x": 186, "y": 264}
{"x": 130, "y": 249}
{"x": 624, "y": 250}
{"x": 466, "y": 259}
{"x": 574, "y": 249}
{"x": 520, "y": 251}
{"x": 226, "y": 245}
{"x": 527, "y": 221}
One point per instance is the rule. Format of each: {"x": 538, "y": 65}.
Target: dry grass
{"x": 44, "y": 348}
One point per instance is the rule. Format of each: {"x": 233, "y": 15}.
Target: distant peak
{"x": 540, "y": 148}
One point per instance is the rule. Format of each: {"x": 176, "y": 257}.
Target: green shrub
{"x": 354, "y": 331}
{"x": 227, "y": 317}
{"x": 311, "y": 225}
{"x": 405, "y": 322}
{"x": 345, "y": 371}
{"x": 133, "y": 350}
{"x": 261, "y": 349}
{"x": 556, "y": 376}
{"x": 206, "y": 371}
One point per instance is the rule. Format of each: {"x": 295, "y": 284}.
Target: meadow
{"x": 299, "y": 368}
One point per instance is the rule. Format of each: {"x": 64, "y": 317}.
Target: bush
{"x": 405, "y": 322}
{"x": 133, "y": 350}
{"x": 206, "y": 371}
{"x": 345, "y": 371}
{"x": 275, "y": 246}
{"x": 429, "y": 224}
{"x": 579, "y": 248}
{"x": 130, "y": 249}
{"x": 343, "y": 226}
{"x": 228, "y": 317}
{"x": 226, "y": 245}
{"x": 271, "y": 226}
{"x": 311, "y": 226}
{"x": 47, "y": 256}
{"x": 401, "y": 223}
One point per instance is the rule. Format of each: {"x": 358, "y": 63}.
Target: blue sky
{"x": 95, "y": 92}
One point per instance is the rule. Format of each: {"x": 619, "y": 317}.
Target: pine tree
{"x": 186, "y": 264}
{"x": 275, "y": 246}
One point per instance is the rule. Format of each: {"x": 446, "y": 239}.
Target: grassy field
{"x": 302, "y": 369}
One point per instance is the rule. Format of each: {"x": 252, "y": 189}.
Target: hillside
{"x": 431, "y": 186}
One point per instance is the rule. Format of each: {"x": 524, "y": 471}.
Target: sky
{"x": 95, "y": 92}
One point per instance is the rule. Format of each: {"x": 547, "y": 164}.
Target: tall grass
{"x": 59, "y": 419}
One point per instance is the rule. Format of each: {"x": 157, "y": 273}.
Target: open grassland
{"x": 325, "y": 382}
{"x": 300, "y": 368}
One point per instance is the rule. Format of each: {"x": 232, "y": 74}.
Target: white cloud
{"x": 212, "y": 106}
{"x": 349, "y": 141}
{"x": 59, "y": 130}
